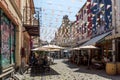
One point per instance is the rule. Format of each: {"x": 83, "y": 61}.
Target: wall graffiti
{"x": 7, "y": 41}
{"x": 5, "y": 48}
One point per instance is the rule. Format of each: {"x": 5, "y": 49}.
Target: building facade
{"x": 115, "y": 37}
{"x": 83, "y": 22}
{"x": 63, "y": 35}
{"x": 14, "y": 35}
{"x": 11, "y": 29}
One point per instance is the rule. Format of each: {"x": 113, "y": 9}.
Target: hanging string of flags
{"x": 57, "y": 16}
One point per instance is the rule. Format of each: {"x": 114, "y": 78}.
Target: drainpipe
{"x": 114, "y": 32}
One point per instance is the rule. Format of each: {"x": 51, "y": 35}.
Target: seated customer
{"x": 96, "y": 64}
{"x": 46, "y": 63}
{"x": 105, "y": 60}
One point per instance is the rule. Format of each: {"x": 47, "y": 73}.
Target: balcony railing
{"x": 31, "y": 20}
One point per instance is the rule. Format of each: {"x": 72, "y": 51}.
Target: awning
{"x": 110, "y": 37}
{"x": 94, "y": 40}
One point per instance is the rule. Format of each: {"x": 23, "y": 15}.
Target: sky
{"x": 52, "y": 14}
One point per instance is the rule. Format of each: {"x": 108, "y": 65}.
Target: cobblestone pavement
{"x": 63, "y": 70}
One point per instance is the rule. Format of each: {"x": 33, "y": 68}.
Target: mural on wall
{"x": 7, "y": 30}
{"x": 5, "y": 42}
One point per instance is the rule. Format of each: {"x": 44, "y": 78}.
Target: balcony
{"x": 31, "y": 20}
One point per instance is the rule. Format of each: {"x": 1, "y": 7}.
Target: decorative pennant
{"x": 101, "y": 5}
{"x": 69, "y": 8}
{"x": 111, "y": 13}
{"x": 98, "y": 19}
{"x": 80, "y": 0}
{"x": 56, "y": 19}
{"x": 83, "y": 22}
{"x": 103, "y": 12}
{"x": 88, "y": 3}
{"x": 95, "y": 9}
{"x": 87, "y": 23}
{"x": 52, "y": 12}
{"x": 89, "y": 15}
{"x": 86, "y": 9}
{"x": 94, "y": 4}
{"x": 96, "y": 23}
{"x": 50, "y": 3}
{"x": 119, "y": 14}
{"x": 115, "y": 8}
{"x": 108, "y": 17}
{"x": 93, "y": 15}
{"x": 108, "y": 6}
{"x": 73, "y": 0}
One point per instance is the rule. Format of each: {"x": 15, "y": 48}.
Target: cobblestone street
{"x": 63, "y": 70}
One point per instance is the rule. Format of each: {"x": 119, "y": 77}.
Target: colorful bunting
{"x": 101, "y": 5}
{"x": 108, "y": 17}
{"x": 115, "y": 7}
{"x": 108, "y": 6}
{"x": 88, "y": 3}
{"x": 73, "y": 0}
{"x": 93, "y": 15}
{"x": 98, "y": 19}
{"x": 94, "y": 4}
{"x": 80, "y": 0}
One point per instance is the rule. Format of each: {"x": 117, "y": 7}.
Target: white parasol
{"x": 52, "y": 47}
{"x": 88, "y": 47}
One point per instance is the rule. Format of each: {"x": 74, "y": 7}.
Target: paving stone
{"x": 63, "y": 71}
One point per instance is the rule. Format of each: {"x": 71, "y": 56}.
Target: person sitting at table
{"x": 85, "y": 59}
{"x": 105, "y": 59}
{"x": 45, "y": 63}
{"x": 94, "y": 60}
{"x": 45, "y": 60}
{"x": 96, "y": 64}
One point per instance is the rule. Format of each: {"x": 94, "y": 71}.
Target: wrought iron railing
{"x": 31, "y": 19}
{"x": 31, "y": 16}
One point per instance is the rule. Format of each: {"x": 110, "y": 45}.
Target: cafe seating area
{"x": 94, "y": 61}
{"x": 40, "y": 64}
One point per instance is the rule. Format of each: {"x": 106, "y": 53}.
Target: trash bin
{"x": 111, "y": 68}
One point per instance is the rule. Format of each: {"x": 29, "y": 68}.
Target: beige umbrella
{"x": 52, "y": 47}
{"x": 88, "y": 47}
{"x": 39, "y": 49}
{"x": 77, "y": 48}
{"x": 45, "y": 49}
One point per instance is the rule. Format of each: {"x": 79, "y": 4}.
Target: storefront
{"x": 7, "y": 43}
{"x": 115, "y": 37}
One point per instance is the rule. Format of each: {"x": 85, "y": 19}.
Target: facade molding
{"x": 16, "y": 9}
{"x": 9, "y": 14}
